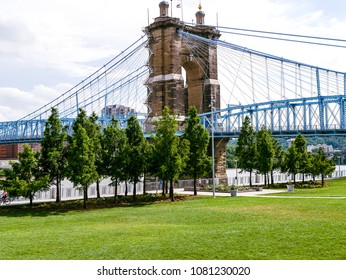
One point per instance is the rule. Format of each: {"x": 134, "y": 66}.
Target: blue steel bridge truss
{"x": 313, "y": 116}
{"x": 282, "y": 95}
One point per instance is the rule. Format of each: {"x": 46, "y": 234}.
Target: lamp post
{"x": 212, "y": 142}
{"x": 339, "y": 157}
{"x": 236, "y": 172}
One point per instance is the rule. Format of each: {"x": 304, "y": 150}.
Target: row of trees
{"x": 259, "y": 151}
{"x": 92, "y": 153}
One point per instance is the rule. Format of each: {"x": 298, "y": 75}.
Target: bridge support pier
{"x": 219, "y": 157}
{"x": 181, "y": 74}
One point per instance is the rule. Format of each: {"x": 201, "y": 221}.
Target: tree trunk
{"x": 322, "y": 180}
{"x": 272, "y": 177}
{"x": 171, "y": 190}
{"x": 144, "y": 184}
{"x": 98, "y": 188}
{"x": 57, "y": 189}
{"x": 250, "y": 178}
{"x": 194, "y": 185}
{"x": 116, "y": 190}
{"x": 31, "y": 199}
{"x": 265, "y": 180}
{"x": 134, "y": 191}
{"x": 163, "y": 187}
{"x": 126, "y": 190}
{"x": 85, "y": 196}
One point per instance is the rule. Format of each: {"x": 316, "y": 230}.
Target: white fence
{"x": 243, "y": 179}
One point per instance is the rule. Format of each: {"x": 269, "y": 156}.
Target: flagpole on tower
{"x": 171, "y": 8}
{"x": 181, "y": 7}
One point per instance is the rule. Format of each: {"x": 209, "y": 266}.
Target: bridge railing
{"x": 311, "y": 116}
{"x": 315, "y": 115}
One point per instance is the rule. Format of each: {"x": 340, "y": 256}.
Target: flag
{"x": 179, "y": 6}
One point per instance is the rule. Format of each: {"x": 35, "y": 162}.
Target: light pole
{"x": 339, "y": 157}
{"x": 236, "y": 173}
{"x": 212, "y": 141}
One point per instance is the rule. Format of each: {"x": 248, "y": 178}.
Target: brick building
{"x": 10, "y": 151}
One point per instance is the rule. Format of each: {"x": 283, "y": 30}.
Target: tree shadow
{"x": 45, "y": 209}
{"x": 27, "y": 211}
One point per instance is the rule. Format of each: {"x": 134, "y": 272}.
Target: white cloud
{"x": 70, "y": 39}
{"x": 15, "y": 31}
{"x": 16, "y": 103}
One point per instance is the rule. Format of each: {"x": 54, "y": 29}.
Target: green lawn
{"x": 246, "y": 228}
{"x": 334, "y": 188}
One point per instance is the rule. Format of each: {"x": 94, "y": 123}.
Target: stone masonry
{"x": 166, "y": 84}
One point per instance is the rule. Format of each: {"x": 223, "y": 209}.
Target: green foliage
{"x": 137, "y": 147}
{"x": 230, "y": 156}
{"x": 278, "y": 154}
{"x": 321, "y": 165}
{"x": 25, "y": 179}
{"x": 81, "y": 169}
{"x": 246, "y": 150}
{"x": 198, "y": 162}
{"x": 52, "y": 157}
{"x": 303, "y": 157}
{"x": 169, "y": 152}
{"x": 94, "y": 131}
{"x": 265, "y": 152}
{"x": 291, "y": 158}
{"x": 338, "y": 142}
{"x": 115, "y": 155}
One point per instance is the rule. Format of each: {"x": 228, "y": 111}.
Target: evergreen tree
{"x": 53, "y": 159}
{"x": 137, "y": 146}
{"x": 199, "y": 163}
{"x": 246, "y": 149}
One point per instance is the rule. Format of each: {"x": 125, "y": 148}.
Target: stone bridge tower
{"x": 170, "y": 59}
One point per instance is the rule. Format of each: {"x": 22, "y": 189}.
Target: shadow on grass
{"x": 43, "y": 209}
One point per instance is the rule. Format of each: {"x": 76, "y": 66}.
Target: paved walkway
{"x": 249, "y": 193}
{"x": 264, "y": 193}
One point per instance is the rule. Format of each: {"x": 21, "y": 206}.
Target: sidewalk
{"x": 254, "y": 194}
{"x": 249, "y": 193}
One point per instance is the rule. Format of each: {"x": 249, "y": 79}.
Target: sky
{"x": 48, "y": 46}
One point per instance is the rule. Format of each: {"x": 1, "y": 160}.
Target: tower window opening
{"x": 183, "y": 74}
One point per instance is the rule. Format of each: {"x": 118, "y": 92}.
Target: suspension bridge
{"x": 283, "y": 95}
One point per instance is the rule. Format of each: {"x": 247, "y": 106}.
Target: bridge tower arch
{"x": 167, "y": 86}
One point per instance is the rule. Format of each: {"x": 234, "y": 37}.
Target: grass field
{"x": 335, "y": 188}
{"x": 243, "y": 228}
